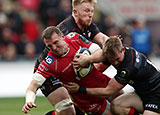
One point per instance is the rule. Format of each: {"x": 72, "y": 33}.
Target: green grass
{"x": 13, "y": 106}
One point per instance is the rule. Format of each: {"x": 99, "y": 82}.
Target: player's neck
{"x": 66, "y": 52}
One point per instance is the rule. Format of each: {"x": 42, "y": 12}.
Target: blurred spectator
{"x": 125, "y": 32}
{"x": 10, "y": 53}
{"x": 3, "y": 20}
{"x": 14, "y": 18}
{"x": 30, "y": 4}
{"x": 7, "y": 46}
{"x": 156, "y": 48}
{"x": 112, "y": 30}
{"x": 64, "y": 10}
{"x": 108, "y": 25}
{"x": 30, "y": 51}
{"x": 108, "y": 22}
{"x": 140, "y": 36}
{"x": 31, "y": 27}
{"x": 48, "y": 11}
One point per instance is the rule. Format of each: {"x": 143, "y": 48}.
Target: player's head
{"x": 114, "y": 50}
{"x": 54, "y": 40}
{"x": 83, "y": 11}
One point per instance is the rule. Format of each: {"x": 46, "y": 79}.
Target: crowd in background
{"x": 21, "y": 23}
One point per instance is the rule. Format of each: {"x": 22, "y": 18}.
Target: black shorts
{"x": 50, "y": 85}
{"x": 152, "y": 102}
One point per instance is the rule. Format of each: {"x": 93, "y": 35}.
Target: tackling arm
{"x": 83, "y": 60}
{"x": 100, "y": 38}
{"x": 112, "y": 88}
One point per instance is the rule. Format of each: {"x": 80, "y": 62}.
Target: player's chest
{"x": 63, "y": 65}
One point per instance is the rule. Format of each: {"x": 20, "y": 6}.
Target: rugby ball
{"x": 85, "y": 70}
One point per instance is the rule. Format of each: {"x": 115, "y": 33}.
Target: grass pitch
{"x": 13, "y": 106}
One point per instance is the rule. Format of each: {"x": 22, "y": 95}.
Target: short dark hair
{"x": 47, "y": 33}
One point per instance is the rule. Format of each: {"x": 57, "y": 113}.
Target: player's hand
{"x": 80, "y": 61}
{"x": 71, "y": 87}
{"x": 27, "y": 107}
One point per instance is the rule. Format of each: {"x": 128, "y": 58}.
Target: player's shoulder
{"x": 66, "y": 25}
{"x": 72, "y": 35}
{"x": 49, "y": 60}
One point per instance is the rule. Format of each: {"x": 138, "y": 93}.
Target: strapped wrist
{"x": 30, "y": 96}
{"x": 82, "y": 90}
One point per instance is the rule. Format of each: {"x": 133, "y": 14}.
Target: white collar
{"x": 66, "y": 52}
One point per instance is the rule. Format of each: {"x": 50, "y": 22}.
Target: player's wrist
{"x": 30, "y": 96}
{"x": 90, "y": 59}
{"x": 82, "y": 90}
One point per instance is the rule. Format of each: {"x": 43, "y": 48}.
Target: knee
{"x": 65, "y": 107}
{"x": 69, "y": 111}
{"x": 116, "y": 107}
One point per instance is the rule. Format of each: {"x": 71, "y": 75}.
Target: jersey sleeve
{"x": 79, "y": 39}
{"x": 41, "y": 58}
{"x": 94, "y": 30}
{"x": 84, "y": 42}
{"x": 45, "y": 67}
{"x": 124, "y": 75}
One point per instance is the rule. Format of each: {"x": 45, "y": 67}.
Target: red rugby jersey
{"x": 62, "y": 68}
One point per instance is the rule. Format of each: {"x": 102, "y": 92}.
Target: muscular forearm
{"x": 96, "y": 57}
{"x": 100, "y": 92}
{"x": 112, "y": 88}
{"x": 31, "y": 91}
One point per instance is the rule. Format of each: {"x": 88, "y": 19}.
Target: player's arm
{"x": 37, "y": 81}
{"x": 112, "y": 88}
{"x": 83, "y": 60}
{"x": 100, "y": 38}
{"x": 40, "y": 58}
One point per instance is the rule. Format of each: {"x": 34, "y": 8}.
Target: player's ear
{"x": 62, "y": 36}
{"x": 75, "y": 12}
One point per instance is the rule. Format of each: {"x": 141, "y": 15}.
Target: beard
{"x": 84, "y": 24}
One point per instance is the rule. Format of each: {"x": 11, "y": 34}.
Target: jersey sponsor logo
{"x": 93, "y": 106}
{"x": 123, "y": 73}
{"x": 89, "y": 33}
{"x": 121, "y": 77}
{"x": 72, "y": 34}
{"x": 154, "y": 106}
{"x": 42, "y": 67}
{"x": 49, "y": 60}
{"x": 83, "y": 39}
{"x": 137, "y": 57}
{"x": 131, "y": 82}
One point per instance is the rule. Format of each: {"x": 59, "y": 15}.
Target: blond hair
{"x": 78, "y": 2}
{"x": 111, "y": 46}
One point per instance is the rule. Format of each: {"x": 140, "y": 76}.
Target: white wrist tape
{"x": 94, "y": 47}
{"x": 30, "y": 96}
{"x": 39, "y": 78}
{"x": 64, "y": 104}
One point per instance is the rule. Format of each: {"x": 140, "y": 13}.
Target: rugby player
{"x": 81, "y": 22}
{"x": 57, "y": 66}
{"x": 132, "y": 68}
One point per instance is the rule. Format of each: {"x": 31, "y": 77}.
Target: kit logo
{"x": 152, "y": 106}
{"x": 49, "y": 60}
